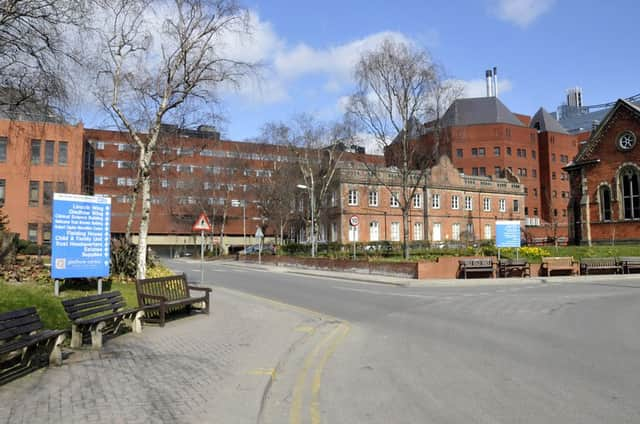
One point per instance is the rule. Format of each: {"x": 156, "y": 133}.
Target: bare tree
{"x": 399, "y": 87}
{"x": 159, "y": 60}
{"x": 33, "y": 52}
{"x": 317, "y": 149}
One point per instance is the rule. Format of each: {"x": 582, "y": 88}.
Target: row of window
{"x": 32, "y": 232}
{"x": 497, "y": 151}
{"x": 47, "y": 192}
{"x": 629, "y": 189}
{"x": 394, "y": 202}
{"x": 418, "y": 231}
{"x": 49, "y": 152}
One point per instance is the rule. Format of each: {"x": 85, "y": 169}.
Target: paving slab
{"x": 214, "y": 368}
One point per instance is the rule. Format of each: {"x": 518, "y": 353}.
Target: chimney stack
{"x": 495, "y": 81}
{"x": 489, "y": 78}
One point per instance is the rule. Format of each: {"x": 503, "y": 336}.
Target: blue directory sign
{"x": 507, "y": 233}
{"x": 80, "y": 236}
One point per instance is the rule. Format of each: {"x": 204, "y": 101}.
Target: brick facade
{"x": 604, "y": 210}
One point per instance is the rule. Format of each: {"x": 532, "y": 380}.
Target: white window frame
{"x": 393, "y": 201}
{"x": 487, "y": 204}
{"x": 455, "y": 202}
{"x": 417, "y": 231}
{"x": 395, "y": 231}
{"x": 455, "y": 231}
{"x": 121, "y": 181}
{"x": 374, "y": 231}
{"x": 417, "y": 201}
{"x": 488, "y": 232}
{"x": 352, "y": 197}
{"x": 373, "y": 198}
{"x": 436, "y": 232}
{"x": 435, "y": 201}
{"x": 503, "y": 205}
{"x": 353, "y": 233}
{"x": 468, "y": 203}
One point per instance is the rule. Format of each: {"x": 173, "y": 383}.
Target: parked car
{"x": 267, "y": 249}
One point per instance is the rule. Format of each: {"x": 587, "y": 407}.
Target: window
{"x": 395, "y": 231}
{"x": 353, "y": 198}
{"x": 35, "y": 152}
{"x": 535, "y": 211}
{"x": 32, "y": 232}
{"x": 535, "y": 192}
{"x": 459, "y": 153}
{"x": 553, "y": 157}
{"x": 46, "y": 233}
{"x": 121, "y": 181}
{"x": 502, "y": 205}
{"x": 605, "y": 203}
{"x": 63, "y": 151}
{"x": 470, "y": 232}
{"x": 468, "y": 203}
{"x": 630, "y": 193}
{"x": 417, "y": 201}
{"x": 553, "y": 175}
{"x": 564, "y": 158}
{"x": 47, "y": 193}
{"x": 508, "y": 151}
{"x": 34, "y": 193}
{"x": 455, "y": 202}
{"x": 61, "y": 187}
{"x": 437, "y": 235}
{"x": 496, "y": 151}
{"x": 417, "y": 231}
{"x": 394, "y": 200}
{"x": 533, "y": 154}
{"x": 3, "y": 149}
{"x": 626, "y": 141}
{"x": 100, "y": 145}
{"x": 477, "y": 151}
{"x": 374, "y": 231}
{"x": 526, "y": 210}
{"x": 373, "y": 198}
{"x": 435, "y": 201}
{"x": 487, "y": 204}
{"x": 3, "y": 188}
{"x": 554, "y": 194}
{"x": 507, "y": 132}
{"x": 455, "y": 231}
{"x": 534, "y": 173}
{"x": 497, "y": 171}
{"x": 487, "y": 231}
{"x": 516, "y": 205}
{"x": 49, "y": 147}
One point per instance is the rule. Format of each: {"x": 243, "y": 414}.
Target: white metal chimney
{"x": 495, "y": 81}
{"x": 489, "y": 78}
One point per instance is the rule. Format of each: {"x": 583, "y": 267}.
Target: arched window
{"x": 630, "y": 189}
{"x": 605, "y": 203}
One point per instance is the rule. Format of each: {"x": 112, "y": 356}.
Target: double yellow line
{"x": 315, "y": 363}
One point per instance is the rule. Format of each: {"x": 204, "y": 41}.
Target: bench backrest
{"x": 513, "y": 262}
{"x": 93, "y": 305}
{"x": 629, "y": 259}
{"x": 15, "y": 324}
{"x": 173, "y": 287}
{"x": 476, "y": 263}
{"x": 558, "y": 260}
{"x": 599, "y": 261}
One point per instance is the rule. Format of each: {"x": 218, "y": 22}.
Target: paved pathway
{"x": 197, "y": 369}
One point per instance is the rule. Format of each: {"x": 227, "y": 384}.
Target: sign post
{"x": 202, "y": 224}
{"x": 81, "y": 238}
{"x": 507, "y": 235}
{"x": 354, "y": 221}
{"x": 259, "y": 237}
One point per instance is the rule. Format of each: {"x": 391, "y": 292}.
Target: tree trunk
{"x": 145, "y": 219}
{"x": 132, "y": 211}
{"x": 405, "y": 236}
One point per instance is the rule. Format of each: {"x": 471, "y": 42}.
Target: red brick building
{"x": 37, "y": 158}
{"x": 447, "y": 206}
{"x": 605, "y": 180}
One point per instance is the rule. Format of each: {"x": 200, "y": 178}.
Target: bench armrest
{"x": 205, "y": 289}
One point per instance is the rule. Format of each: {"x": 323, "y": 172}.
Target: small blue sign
{"x": 507, "y": 233}
{"x": 80, "y": 236}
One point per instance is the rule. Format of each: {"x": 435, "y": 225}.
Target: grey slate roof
{"x": 546, "y": 122}
{"x": 479, "y": 110}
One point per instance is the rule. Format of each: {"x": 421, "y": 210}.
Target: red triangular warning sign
{"x": 202, "y": 223}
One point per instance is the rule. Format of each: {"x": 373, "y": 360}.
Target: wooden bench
{"x": 600, "y": 264}
{"x": 163, "y": 295}
{"x": 507, "y": 267}
{"x": 629, "y": 263}
{"x": 98, "y": 315}
{"x": 557, "y": 263}
{"x": 25, "y": 346}
{"x": 475, "y": 266}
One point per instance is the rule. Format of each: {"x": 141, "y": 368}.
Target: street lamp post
{"x": 313, "y": 208}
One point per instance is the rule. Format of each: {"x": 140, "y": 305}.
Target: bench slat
{"x": 91, "y": 298}
{"x": 110, "y": 307}
{"x": 94, "y": 304}
{"x": 7, "y": 316}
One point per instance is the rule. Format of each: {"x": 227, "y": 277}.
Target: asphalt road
{"x": 532, "y": 353}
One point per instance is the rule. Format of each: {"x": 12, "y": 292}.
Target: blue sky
{"x": 541, "y": 48}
